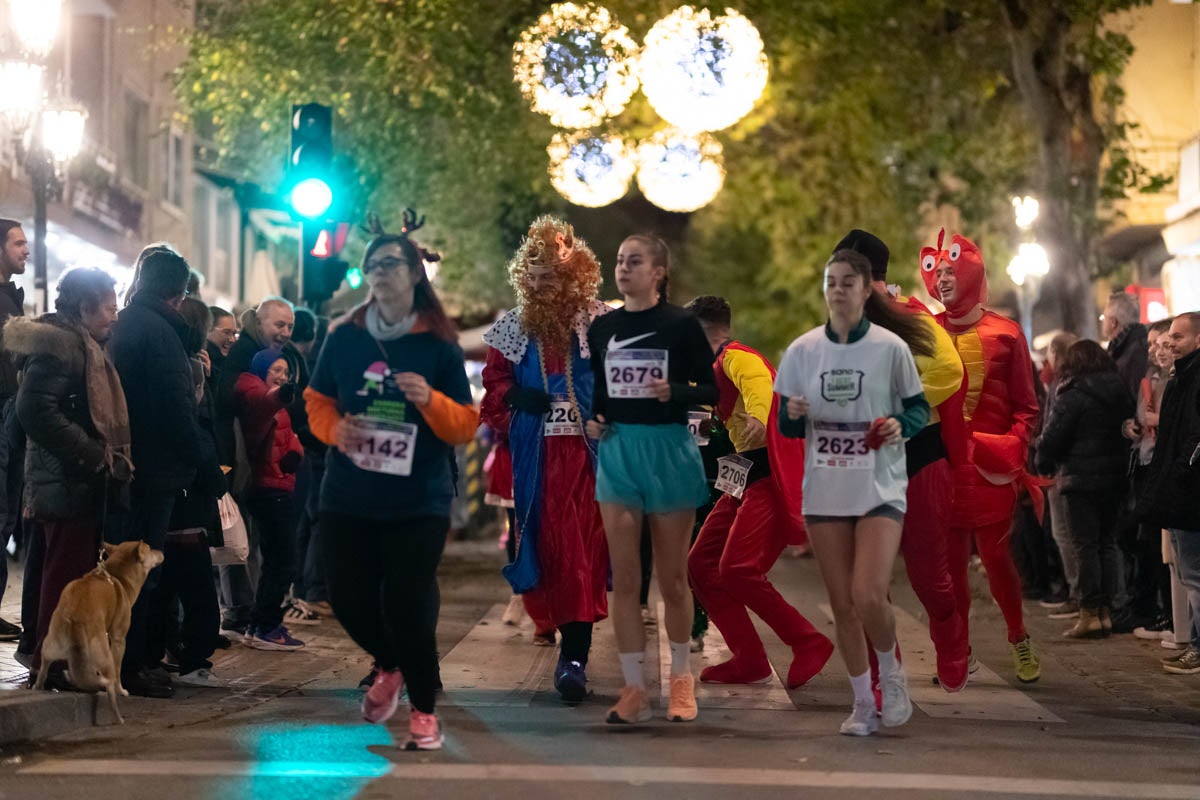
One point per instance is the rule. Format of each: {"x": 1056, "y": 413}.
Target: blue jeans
{"x": 1187, "y": 563}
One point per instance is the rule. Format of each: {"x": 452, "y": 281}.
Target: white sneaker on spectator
{"x": 1171, "y": 644}
{"x": 202, "y": 677}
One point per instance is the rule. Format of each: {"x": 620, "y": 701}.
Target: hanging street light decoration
{"x": 35, "y": 24}
{"x": 576, "y": 65}
{"x": 591, "y": 171}
{"x": 702, "y": 73}
{"x": 62, "y": 130}
{"x": 678, "y": 171}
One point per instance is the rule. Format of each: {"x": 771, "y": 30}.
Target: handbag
{"x": 233, "y": 529}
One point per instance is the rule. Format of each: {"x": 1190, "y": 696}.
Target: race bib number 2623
{"x": 841, "y": 446}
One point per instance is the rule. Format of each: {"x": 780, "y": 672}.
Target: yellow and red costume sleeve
{"x": 786, "y": 455}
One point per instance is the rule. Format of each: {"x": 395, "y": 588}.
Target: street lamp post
{"x": 1030, "y": 265}
{"x": 47, "y": 133}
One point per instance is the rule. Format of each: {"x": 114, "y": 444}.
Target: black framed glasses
{"x": 386, "y": 263}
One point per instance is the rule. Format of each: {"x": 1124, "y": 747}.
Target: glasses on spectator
{"x": 386, "y": 263}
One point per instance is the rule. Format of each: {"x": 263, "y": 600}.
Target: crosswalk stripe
{"x": 987, "y": 696}
{"x": 495, "y": 665}
{"x": 770, "y": 696}
{"x": 550, "y": 774}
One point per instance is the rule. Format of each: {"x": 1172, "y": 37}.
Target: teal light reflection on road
{"x": 309, "y": 762}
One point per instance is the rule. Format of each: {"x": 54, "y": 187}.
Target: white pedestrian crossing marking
{"x": 769, "y": 696}
{"x": 987, "y": 696}
{"x": 496, "y": 665}
{"x": 549, "y": 774}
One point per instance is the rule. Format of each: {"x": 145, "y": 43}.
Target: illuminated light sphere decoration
{"x": 680, "y": 171}
{"x": 577, "y": 65}
{"x": 702, "y": 73}
{"x": 591, "y": 171}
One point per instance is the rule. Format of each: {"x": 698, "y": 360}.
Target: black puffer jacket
{"x": 64, "y": 460}
{"x": 1171, "y": 497}
{"x": 1082, "y": 440}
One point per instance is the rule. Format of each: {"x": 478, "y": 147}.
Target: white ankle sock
{"x": 633, "y": 668}
{"x": 888, "y": 662}
{"x": 862, "y": 688}
{"x": 681, "y": 658}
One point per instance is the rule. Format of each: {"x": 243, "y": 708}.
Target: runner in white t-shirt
{"x": 853, "y": 393}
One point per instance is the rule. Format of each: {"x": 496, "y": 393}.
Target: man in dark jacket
{"x": 1126, "y": 337}
{"x": 169, "y": 448}
{"x": 71, "y": 405}
{"x": 1172, "y": 495}
{"x": 14, "y": 252}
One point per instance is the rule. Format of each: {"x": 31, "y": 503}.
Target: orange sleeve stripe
{"x": 453, "y": 423}
{"x": 323, "y": 415}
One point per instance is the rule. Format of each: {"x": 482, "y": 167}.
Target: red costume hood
{"x": 964, "y": 257}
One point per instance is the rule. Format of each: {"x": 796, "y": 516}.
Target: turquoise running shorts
{"x": 654, "y": 468}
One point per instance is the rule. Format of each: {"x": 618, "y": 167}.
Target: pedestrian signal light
{"x": 310, "y": 161}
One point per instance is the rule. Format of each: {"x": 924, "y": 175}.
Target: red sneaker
{"x": 380, "y": 701}
{"x": 735, "y": 671}
{"x": 808, "y": 659}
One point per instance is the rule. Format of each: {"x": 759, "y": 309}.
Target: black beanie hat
{"x": 870, "y": 246}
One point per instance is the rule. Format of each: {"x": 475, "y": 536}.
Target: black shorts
{"x": 886, "y": 510}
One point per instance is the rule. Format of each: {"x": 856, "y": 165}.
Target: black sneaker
{"x": 8, "y": 631}
{"x": 369, "y": 681}
{"x": 1053, "y": 599}
{"x": 142, "y": 684}
{"x": 1127, "y": 620}
{"x": 1186, "y": 664}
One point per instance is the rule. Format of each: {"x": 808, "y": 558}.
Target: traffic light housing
{"x": 321, "y": 249}
{"x": 312, "y": 189}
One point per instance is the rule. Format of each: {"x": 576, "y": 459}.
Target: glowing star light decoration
{"x": 679, "y": 171}
{"x": 591, "y": 171}
{"x": 576, "y": 65}
{"x": 701, "y": 73}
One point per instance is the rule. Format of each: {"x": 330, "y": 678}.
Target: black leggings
{"x": 382, "y": 580}
{"x": 576, "y": 641}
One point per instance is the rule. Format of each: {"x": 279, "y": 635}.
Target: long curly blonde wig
{"x": 548, "y": 315}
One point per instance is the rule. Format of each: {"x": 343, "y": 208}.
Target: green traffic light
{"x": 311, "y": 197}
{"x": 354, "y": 277}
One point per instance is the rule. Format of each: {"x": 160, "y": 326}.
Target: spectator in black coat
{"x": 73, "y": 409}
{"x": 14, "y": 252}
{"x": 221, "y": 338}
{"x": 1082, "y": 442}
{"x": 1126, "y": 337}
{"x": 1172, "y": 495}
{"x": 170, "y": 450}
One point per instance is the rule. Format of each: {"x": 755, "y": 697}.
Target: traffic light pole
{"x": 303, "y": 254}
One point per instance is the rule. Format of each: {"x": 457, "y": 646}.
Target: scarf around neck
{"x": 385, "y": 331}
{"x": 106, "y": 403}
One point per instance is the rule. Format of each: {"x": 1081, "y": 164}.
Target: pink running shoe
{"x": 381, "y": 699}
{"x": 424, "y": 732}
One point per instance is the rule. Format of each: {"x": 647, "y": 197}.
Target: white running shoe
{"x": 862, "y": 720}
{"x": 201, "y": 677}
{"x": 514, "y": 612}
{"x": 897, "y": 707}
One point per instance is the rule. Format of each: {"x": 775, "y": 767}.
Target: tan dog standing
{"x": 89, "y": 625}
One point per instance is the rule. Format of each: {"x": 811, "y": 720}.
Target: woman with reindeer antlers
{"x": 390, "y": 396}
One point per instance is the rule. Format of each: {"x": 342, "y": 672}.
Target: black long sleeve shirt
{"x": 638, "y": 339}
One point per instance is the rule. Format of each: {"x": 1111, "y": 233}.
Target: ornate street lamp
{"x": 47, "y": 134}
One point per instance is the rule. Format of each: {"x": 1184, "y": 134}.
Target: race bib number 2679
{"x": 629, "y": 372}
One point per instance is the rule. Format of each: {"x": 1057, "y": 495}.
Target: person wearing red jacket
{"x": 275, "y": 452}
{"x": 758, "y": 514}
{"x": 1001, "y": 411}
{"x": 539, "y": 387}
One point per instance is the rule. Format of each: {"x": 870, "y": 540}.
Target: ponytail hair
{"x": 883, "y": 312}
{"x": 425, "y": 299}
{"x": 660, "y": 256}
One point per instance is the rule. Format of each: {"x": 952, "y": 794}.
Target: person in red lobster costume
{"x": 539, "y": 385}
{"x": 1001, "y": 412}
{"x": 756, "y": 517}
{"x": 930, "y": 456}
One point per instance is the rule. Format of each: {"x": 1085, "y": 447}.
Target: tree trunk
{"x": 1059, "y": 100}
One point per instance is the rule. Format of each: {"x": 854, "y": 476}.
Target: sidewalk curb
{"x": 27, "y": 716}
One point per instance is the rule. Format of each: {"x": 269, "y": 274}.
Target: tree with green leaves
{"x": 881, "y": 114}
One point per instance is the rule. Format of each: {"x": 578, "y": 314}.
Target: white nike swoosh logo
{"x": 613, "y": 344}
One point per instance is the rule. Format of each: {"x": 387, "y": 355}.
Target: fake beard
{"x": 549, "y": 317}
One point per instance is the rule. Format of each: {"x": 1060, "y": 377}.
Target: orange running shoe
{"x": 681, "y": 707}
{"x": 632, "y": 707}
